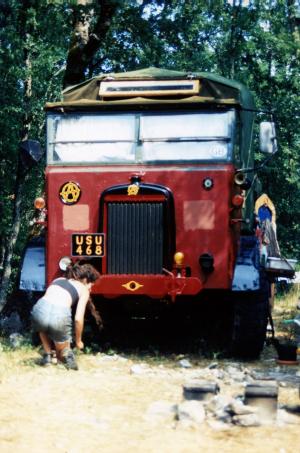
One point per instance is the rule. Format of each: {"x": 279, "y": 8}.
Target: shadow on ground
{"x": 197, "y": 330}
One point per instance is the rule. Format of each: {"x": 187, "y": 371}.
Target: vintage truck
{"x": 150, "y": 176}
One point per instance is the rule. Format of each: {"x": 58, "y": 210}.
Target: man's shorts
{"x": 53, "y": 320}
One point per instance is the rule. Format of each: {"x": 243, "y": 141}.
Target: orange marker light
{"x": 39, "y": 203}
{"x": 237, "y": 201}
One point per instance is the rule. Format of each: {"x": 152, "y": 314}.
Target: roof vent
{"x": 149, "y": 88}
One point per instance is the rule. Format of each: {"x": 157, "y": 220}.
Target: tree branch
{"x": 86, "y": 42}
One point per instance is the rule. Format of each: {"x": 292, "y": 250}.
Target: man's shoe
{"x": 46, "y": 359}
{"x": 69, "y": 360}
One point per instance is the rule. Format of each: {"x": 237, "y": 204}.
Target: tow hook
{"x": 177, "y": 285}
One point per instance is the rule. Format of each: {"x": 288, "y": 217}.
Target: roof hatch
{"x": 127, "y": 88}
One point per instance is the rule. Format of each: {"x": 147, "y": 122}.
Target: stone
{"x": 218, "y": 403}
{"x": 213, "y": 365}
{"x": 218, "y": 425}
{"x": 235, "y": 374}
{"x": 292, "y": 408}
{"x": 138, "y": 369}
{"x": 287, "y": 375}
{"x": 159, "y": 411}
{"x": 233, "y": 366}
{"x": 191, "y": 413}
{"x": 286, "y": 418}
{"x": 185, "y": 363}
{"x": 16, "y": 340}
{"x": 237, "y": 407}
{"x": 246, "y": 420}
{"x": 218, "y": 374}
{"x": 109, "y": 357}
{"x": 223, "y": 415}
{"x": 249, "y": 379}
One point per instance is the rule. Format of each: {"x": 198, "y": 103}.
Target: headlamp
{"x": 64, "y": 262}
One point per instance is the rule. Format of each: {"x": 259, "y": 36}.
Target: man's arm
{"x": 79, "y": 317}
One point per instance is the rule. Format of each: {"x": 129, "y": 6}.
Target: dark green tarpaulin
{"x": 213, "y": 88}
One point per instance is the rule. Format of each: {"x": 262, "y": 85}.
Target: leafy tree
{"x": 34, "y": 63}
{"x": 31, "y": 70}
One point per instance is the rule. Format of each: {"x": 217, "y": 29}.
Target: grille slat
{"x": 134, "y": 238}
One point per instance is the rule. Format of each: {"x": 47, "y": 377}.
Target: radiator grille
{"x": 135, "y": 238}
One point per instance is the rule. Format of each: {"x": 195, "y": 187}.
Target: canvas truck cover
{"x": 213, "y": 89}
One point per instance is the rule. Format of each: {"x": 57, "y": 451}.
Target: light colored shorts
{"x": 53, "y": 320}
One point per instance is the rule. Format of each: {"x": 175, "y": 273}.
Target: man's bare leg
{"x": 46, "y": 342}
{"x": 60, "y": 348}
{"x": 47, "y": 345}
{"x": 66, "y": 355}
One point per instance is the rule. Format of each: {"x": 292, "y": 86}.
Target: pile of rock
{"x": 203, "y": 402}
{"x": 256, "y": 407}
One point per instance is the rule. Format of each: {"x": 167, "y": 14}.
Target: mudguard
{"x": 33, "y": 276}
{"x": 247, "y": 269}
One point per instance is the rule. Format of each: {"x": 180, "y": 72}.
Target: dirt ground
{"x": 106, "y": 405}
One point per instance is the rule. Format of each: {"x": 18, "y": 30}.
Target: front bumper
{"x": 155, "y": 286}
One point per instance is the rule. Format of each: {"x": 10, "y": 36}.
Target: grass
{"x": 286, "y": 308}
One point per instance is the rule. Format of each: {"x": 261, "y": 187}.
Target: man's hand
{"x": 79, "y": 345}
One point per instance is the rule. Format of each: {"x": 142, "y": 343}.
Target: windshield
{"x": 107, "y": 138}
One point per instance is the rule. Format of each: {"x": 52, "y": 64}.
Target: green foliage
{"x": 32, "y": 56}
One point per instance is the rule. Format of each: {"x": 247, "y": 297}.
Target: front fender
{"x": 246, "y": 275}
{"x": 33, "y": 275}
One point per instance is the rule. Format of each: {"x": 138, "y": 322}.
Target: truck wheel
{"x": 250, "y": 321}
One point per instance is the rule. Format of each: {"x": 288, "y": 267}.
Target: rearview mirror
{"x": 30, "y": 153}
{"x": 267, "y": 138}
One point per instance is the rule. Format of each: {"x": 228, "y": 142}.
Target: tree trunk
{"x": 85, "y": 42}
{"x": 21, "y": 177}
{"x": 11, "y": 242}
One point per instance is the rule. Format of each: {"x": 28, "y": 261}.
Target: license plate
{"x": 88, "y": 245}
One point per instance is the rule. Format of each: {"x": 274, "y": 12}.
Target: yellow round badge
{"x": 70, "y": 192}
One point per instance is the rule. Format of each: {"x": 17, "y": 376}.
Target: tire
{"x": 250, "y": 319}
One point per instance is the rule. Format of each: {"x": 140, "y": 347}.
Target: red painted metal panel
{"x": 212, "y": 233}
{"x": 156, "y": 286}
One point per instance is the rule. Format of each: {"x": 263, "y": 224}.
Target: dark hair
{"x": 79, "y": 271}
